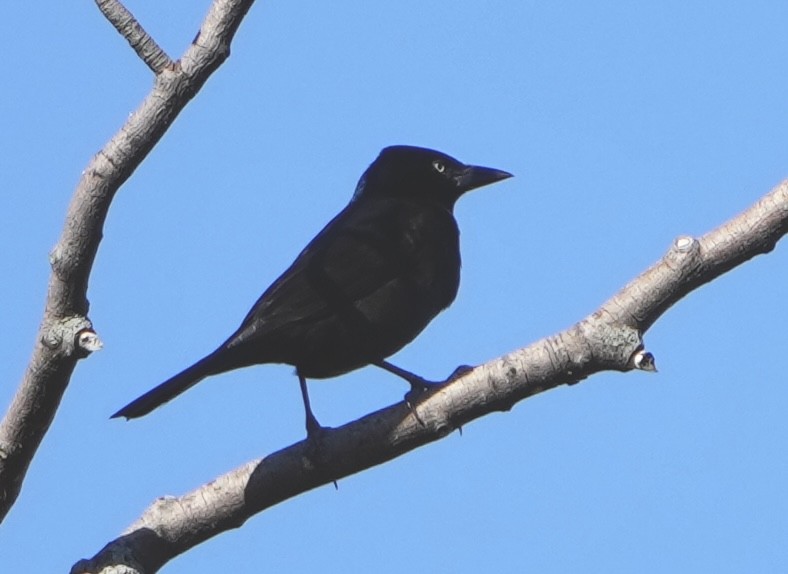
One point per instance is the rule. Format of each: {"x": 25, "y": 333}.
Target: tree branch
{"x": 66, "y": 334}
{"x": 142, "y": 43}
{"x": 608, "y": 339}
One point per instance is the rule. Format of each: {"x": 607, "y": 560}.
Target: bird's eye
{"x": 439, "y": 167}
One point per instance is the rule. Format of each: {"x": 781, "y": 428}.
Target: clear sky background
{"x": 626, "y": 125}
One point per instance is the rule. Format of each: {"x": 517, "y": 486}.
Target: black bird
{"x": 363, "y": 288}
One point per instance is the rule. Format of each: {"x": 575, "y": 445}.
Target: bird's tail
{"x": 171, "y": 388}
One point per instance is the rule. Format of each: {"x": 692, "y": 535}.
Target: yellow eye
{"x": 439, "y": 167}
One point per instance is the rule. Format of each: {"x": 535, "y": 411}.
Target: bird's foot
{"x": 315, "y": 452}
{"x": 459, "y": 372}
{"x": 315, "y": 432}
{"x": 419, "y": 386}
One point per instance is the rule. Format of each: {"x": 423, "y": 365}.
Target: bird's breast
{"x": 435, "y": 269}
{"x": 424, "y": 276}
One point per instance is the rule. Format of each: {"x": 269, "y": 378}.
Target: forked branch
{"x": 66, "y": 333}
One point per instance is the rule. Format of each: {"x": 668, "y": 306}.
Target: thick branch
{"x": 61, "y": 339}
{"x": 610, "y": 338}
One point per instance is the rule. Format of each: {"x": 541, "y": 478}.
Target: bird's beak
{"x": 477, "y": 176}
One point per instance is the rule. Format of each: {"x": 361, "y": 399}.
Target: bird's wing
{"x": 361, "y": 250}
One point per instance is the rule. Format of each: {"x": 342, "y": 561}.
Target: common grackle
{"x": 363, "y": 288}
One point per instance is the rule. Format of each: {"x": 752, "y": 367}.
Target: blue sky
{"x": 625, "y": 124}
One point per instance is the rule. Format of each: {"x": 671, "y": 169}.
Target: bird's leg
{"x": 417, "y": 384}
{"x": 313, "y": 428}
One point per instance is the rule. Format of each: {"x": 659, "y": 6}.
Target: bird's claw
{"x": 314, "y": 453}
{"x": 315, "y": 432}
{"x": 419, "y": 386}
{"x": 459, "y": 372}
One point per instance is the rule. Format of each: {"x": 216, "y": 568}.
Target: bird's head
{"x": 423, "y": 174}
